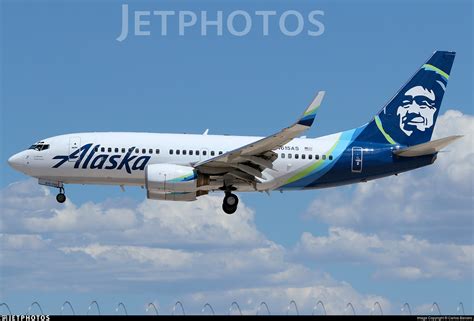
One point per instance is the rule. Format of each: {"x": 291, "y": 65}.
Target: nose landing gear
{"x": 61, "y": 197}
{"x": 229, "y": 205}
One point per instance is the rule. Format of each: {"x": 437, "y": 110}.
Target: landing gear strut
{"x": 229, "y": 205}
{"x": 61, "y": 197}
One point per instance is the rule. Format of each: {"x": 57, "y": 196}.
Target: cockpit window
{"x": 39, "y": 147}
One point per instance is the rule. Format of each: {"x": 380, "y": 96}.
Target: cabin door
{"x": 74, "y": 145}
{"x": 357, "y": 159}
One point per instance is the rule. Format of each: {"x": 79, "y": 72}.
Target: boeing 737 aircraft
{"x": 183, "y": 167}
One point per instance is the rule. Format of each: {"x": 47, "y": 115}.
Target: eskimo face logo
{"x": 417, "y": 110}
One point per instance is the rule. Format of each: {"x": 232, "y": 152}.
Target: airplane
{"x": 183, "y": 167}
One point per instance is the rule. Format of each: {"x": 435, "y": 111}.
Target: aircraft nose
{"x": 16, "y": 161}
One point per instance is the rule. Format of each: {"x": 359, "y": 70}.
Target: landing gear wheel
{"x": 230, "y": 203}
{"x": 61, "y": 197}
{"x": 229, "y": 210}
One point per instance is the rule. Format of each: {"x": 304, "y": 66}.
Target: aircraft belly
{"x": 341, "y": 174}
{"x": 71, "y": 175}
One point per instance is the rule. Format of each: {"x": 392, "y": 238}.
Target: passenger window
{"x": 204, "y": 153}
{"x": 316, "y": 156}
{"x": 297, "y": 156}
{"x": 178, "y": 152}
{"x": 303, "y": 156}
{"x": 197, "y": 153}
{"x": 212, "y": 153}
{"x": 150, "y": 151}
{"x": 324, "y": 157}
{"x": 330, "y": 157}
{"x": 137, "y": 150}
{"x": 157, "y": 151}
{"x": 283, "y": 155}
{"x": 310, "y": 156}
{"x": 123, "y": 150}
{"x": 289, "y": 155}
{"x": 96, "y": 149}
{"x": 171, "y": 152}
{"x": 190, "y": 152}
{"x": 109, "y": 149}
{"x": 220, "y": 152}
{"x": 143, "y": 151}
{"x": 116, "y": 149}
{"x": 102, "y": 149}
{"x": 184, "y": 152}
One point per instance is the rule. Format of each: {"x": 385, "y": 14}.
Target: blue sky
{"x": 64, "y": 71}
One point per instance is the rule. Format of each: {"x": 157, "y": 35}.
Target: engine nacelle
{"x": 164, "y": 178}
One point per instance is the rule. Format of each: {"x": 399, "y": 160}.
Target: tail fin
{"x": 410, "y": 116}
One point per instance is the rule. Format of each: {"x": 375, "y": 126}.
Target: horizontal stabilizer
{"x": 426, "y": 148}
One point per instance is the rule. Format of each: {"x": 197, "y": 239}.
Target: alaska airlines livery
{"x": 182, "y": 167}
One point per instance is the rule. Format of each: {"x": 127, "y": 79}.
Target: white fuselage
{"x": 106, "y": 161}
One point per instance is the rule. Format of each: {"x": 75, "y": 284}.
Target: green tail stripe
{"x": 380, "y": 127}
{"x": 439, "y": 71}
{"x": 311, "y": 168}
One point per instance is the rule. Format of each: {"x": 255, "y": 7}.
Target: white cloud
{"x": 21, "y": 200}
{"x": 87, "y": 217}
{"x": 335, "y": 297}
{"x": 456, "y": 165}
{"x": 29, "y": 208}
{"x": 22, "y": 241}
{"x": 435, "y": 203}
{"x": 190, "y": 250}
{"x": 406, "y": 257}
{"x": 201, "y": 222}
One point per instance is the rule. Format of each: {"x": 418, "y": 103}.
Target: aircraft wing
{"x": 247, "y": 162}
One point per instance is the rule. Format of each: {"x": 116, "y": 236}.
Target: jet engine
{"x": 171, "y": 178}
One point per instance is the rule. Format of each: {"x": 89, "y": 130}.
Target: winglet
{"x": 310, "y": 112}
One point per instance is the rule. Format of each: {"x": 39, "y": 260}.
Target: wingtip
{"x": 316, "y": 103}
{"x": 310, "y": 112}
{"x": 319, "y": 97}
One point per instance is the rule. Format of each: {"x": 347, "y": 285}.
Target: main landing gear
{"x": 229, "y": 205}
{"x": 61, "y": 197}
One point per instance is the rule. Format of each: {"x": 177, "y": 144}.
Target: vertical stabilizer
{"x": 410, "y": 116}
